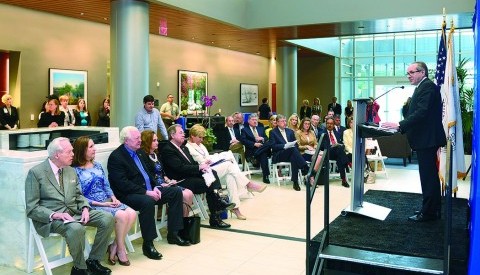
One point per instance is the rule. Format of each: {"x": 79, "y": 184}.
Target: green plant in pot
{"x": 466, "y": 106}
{"x": 210, "y": 139}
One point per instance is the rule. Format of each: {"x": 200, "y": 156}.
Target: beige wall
{"x": 51, "y": 41}
{"x": 316, "y": 78}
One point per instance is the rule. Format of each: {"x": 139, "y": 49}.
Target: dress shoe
{"x": 266, "y": 180}
{"x": 255, "y": 187}
{"x": 78, "y": 271}
{"x": 96, "y": 268}
{"x": 345, "y": 183}
{"x": 422, "y": 218}
{"x": 296, "y": 187}
{"x": 111, "y": 255}
{"x": 124, "y": 263}
{"x": 218, "y": 223}
{"x": 237, "y": 213}
{"x": 223, "y": 205}
{"x": 175, "y": 239}
{"x": 150, "y": 251}
{"x": 305, "y": 170}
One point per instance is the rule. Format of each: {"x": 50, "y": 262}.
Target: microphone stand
{"x": 402, "y": 87}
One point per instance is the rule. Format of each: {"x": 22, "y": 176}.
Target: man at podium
{"x": 424, "y": 130}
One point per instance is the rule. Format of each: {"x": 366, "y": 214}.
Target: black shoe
{"x": 296, "y": 187}
{"x": 266, "y": 180}
{"x": 78, "y": 271}
{"x": 175, "y": 239}
{"x": 218, "y": 223}
{"x": 223, "y": 205}
{"x": 305, "y": 170}
{"x": 95, "y": 267}
{"x": 422, "y": 218}
{"x": 345, "y": 184}
{"x": 150, "y": 251}
{"x": 438, "y": 214}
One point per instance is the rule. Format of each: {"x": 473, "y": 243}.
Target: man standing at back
{"x": 424, "y": 130}
{"x": 169, "y": 111}
{"x": 55, "y": 204}
{"x": 149, "y": 118}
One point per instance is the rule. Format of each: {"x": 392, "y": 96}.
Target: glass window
{"x": 363, "y": 67}
{"x": 346, "y": 47}
{"x": 384, "y": 66}
{"x": 346, "y": 91}
{"x": 431, "y": 61}
{"x": 402, "y": 63}
{"x": 363, "y": 87}
{"x": 346, "y": 67}
{"x": 426, "y": 43}
{"x": 405, "y": 44}
{"x": 383, "y": 45}
{"x": 364, "y": 46}
{"x": 466, "y": 42}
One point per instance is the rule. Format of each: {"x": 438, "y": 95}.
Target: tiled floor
{"x": 280, "y": 212}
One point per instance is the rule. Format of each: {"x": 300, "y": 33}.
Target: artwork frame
{"x": 192, "y": 86}
{"x": 73, "y": 83}
{"x": 248, "y": 94}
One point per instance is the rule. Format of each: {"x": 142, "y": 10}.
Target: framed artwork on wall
{"x": 192, "y": 86}
{"x": 72, "y": 83}
{"x": 248, "y": 94}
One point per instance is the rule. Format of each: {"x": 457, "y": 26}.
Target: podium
{"x": 361, "y": 131}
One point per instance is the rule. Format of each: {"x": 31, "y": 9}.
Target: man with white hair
{"x": 55, "y": 204}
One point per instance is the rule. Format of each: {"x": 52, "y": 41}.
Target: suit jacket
{"x": 248, "y": 140}
{"x": 224, "y": 139}
{"x": 305, "y": 111}
{"x": 236, "y": 129}
{"x": 326, "y": 139}
{"x": 176, "y": 165}
{"x": 340, "y": 131}
{"x": 277, "y": 141}
{"x": 43, "y": 196}
{"x": 337, "y": 109}
{"x": 423, "y": 124}
{"x": 124, "y": 176}
{"x": 7, "y": 118}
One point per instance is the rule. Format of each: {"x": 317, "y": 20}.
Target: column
{"x": 287, "y": 80}
{"x": 129, "y": 54}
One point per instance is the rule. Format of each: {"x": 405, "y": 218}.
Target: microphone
{"x": 399, "y": 87}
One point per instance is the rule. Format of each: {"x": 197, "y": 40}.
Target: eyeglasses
{"x": 412, "y": 72}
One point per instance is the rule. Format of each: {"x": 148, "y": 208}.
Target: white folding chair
{"x": 137, "y": 233}
{"x": 281, "y": 171}
{"x": 377, "y": 157}
{"x": 200, "y": 206}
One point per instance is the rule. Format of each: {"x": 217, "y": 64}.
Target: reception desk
{"x": 14, "y": 166}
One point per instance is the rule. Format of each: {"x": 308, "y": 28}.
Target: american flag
{"x": 441, "y": 58}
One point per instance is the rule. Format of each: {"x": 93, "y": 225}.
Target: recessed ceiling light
{"x": 257, "y": 52}
{"x": 82, "y": 13}
{"x": 213, "y": 42}
{"x": 105, "y": 18}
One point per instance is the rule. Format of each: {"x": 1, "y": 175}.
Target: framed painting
{"x": 248, "y": 94}
{"x": 72, "y": 83}
{"x": 192, "y": 87}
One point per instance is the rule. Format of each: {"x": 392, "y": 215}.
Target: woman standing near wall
{"x": 8, "y": 114}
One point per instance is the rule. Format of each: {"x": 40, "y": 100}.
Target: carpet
{"x": 397, "y": 235}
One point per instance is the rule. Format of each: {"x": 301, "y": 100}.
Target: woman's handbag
{"x": 191, "y": 228}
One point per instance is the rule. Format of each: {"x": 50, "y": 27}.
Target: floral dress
{"x": 95, "y": 187}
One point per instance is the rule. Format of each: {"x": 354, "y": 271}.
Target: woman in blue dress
{"x": 96, "y": 188}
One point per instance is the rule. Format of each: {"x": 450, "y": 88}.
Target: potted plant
{"x": 466, "y": 106}
{"x": 210, "y": 139}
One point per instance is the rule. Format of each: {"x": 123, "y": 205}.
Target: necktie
{"x": 284, "y": 135}
{"x": 332, "y": 138}
{"x": 254, "y": 130}
{"x": 148, "y": 185}
{"x": 232, "y": 134}
{"x": 183, "y": 153}
{"x": 60, "y": 178}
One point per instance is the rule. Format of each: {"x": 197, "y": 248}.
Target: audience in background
{"x": 96, "y": 189}
{"x": 43, "y": 109}
{"x": 148, "y": 118}
{"x": 348, "y": 112}
{"x": 272, "y": 124}
{"x": 335, "y": 107}
{"x": 305, "y": 110}
{"x": 104, "y": 113}
{"x": 69, "y": 116}
{"x": 264, "y": 110}
{"x": 8, "y": 114}
{"x": 348, "y": 139}
{"x": 257, "y": 148}
{"x": 307, "y": 141}
{"x": 316, "y": 107}
{"x": 82, "y": 116}
{"x": 169, "y": 111}
{"x": 52, "y": 117}
{"x": 293, "y": 122}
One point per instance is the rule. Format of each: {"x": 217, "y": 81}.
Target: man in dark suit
{"x": 53, "y": 199}
{"x": 238, "y": 124}
{"x": 181, "y": 166}
{"x": 338, "y": 127}
{"x": 317, "y": 128}
{"x": 285, "y": 149}
{"x": 335, "y": 107}
{"x": 136, "y": 187}
{"x": 336, "y": 149}
{"x": 424, "y": 130}
{"x": 255, "y": 141}
{"x": 227, "y": 139}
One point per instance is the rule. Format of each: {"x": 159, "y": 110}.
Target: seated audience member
{"x": 285, "y": 149}
{"x": 104, "y": 114}
{"x": 225, "y": 165}
{"x": 307, "y": 141}
{"x": 82, "y": 116}
{"x": 333, "y": 143}
{"x": 305, "y": 110}
{"x": 96, "y": 189}
{"x": 180, "y": 165}
{"x": 43, "y": 109}
{"x": 69, "y": 116}
{"x": 133, "y": 184}
{"x": 149, "y": 155}
{"x": 53, "y": 199}
{"x": 53, "y": 117}
{"x": 8, "y": 114}
{"x": 272, "y": 124}
{"x": 238, "y": 125}
{"x": 338, "y": 128}
{"x": 256, "y": 147}
{"x": 315, "y": 126}
{"x": 227, "y": 139}
{"x": 330, "y": 114}
{"x": 348, "y": 139}
{"x": 293, "y": 122}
